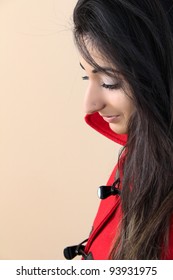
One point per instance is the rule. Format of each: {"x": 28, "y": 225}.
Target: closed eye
{"x": 85, "y": 78}
{"x": 106, "y": 86}
{"x": 114, "y": 86}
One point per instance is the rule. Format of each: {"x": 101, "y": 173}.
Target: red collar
{"x": 98, "y": 123}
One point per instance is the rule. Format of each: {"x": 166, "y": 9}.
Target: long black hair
{"x": 137, "y": 37}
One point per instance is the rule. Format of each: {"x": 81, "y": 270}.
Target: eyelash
{"x": 85, "y": 78}
{"x": 110, "y": 87}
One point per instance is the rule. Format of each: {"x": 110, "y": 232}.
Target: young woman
{"x": 126, "y": 49}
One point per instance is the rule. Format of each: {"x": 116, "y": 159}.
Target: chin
{"x": 118, "y": 130}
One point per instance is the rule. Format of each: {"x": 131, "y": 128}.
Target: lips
{"x": 111, "y": 119}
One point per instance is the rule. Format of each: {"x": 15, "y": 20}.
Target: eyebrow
{"x": 105, "y": 69}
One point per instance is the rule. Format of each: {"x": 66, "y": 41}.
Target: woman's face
{"x": 105, "y": 94}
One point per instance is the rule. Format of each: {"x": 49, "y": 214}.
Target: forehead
{"x": 100, "y": 66}
{"x": 94, "y": 58}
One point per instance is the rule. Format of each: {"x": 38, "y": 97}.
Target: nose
{"x": 94, "y": 99}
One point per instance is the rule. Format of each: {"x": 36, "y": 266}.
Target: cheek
{"x": 129, "y": 109}
{"x": 123, "y": 104}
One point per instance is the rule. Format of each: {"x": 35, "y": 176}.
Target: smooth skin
{"x": 105, "y": 94}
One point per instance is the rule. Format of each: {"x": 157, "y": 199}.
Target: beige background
{"x": 51, "y": 162}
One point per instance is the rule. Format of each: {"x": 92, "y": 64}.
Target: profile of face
{"x": 105, "y": 94}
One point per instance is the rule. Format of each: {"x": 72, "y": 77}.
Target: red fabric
{"x": 98, "y": 123}
{"x": 109, "y": 214}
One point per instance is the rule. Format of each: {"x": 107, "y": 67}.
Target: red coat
{"x": 109, "y": 213}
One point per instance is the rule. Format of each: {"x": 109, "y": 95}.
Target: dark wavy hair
{"x": 137, "y": 37}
